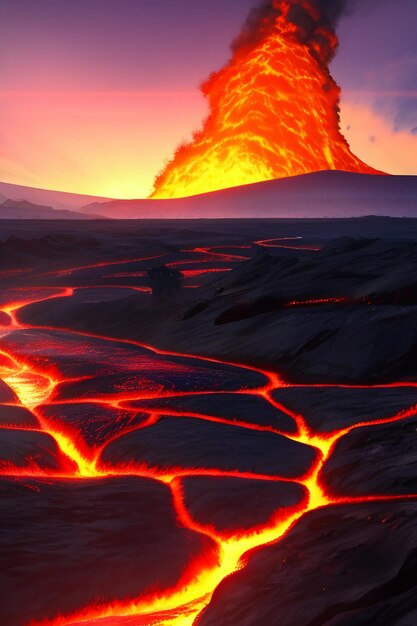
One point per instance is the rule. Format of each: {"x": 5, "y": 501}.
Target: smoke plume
{"x": 273, "y": 108}
{"x": 313, "y": 21}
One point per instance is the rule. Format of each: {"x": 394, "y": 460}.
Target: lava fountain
{"x": 273, "y": 108}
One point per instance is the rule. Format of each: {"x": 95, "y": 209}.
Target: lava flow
{"x": 36, "y": 380}
{"x": 273, "y": 109}
{"x": 273, "y": 243}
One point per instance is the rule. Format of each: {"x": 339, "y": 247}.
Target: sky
{"x": 95, "y": 95}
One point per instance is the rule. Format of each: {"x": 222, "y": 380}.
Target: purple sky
{"x": 166, "y": 46}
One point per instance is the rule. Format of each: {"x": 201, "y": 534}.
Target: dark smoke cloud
{"x": 333, "y": 10}
{"x": 324, "y": 14}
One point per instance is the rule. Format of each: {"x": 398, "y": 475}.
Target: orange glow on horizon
{"x": 372, "y": 137}
{"x": 108, "y": 144}
{"x": 56, "y": 141}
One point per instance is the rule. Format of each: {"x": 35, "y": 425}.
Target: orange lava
{"x": 36, "y": 385}
{"x": 274, "y": 112}
{"x": 195, "y": 273}
{"x": 272, "y": 243}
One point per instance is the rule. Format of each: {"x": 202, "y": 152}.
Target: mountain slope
{"x": 322, "y": 194}
{"x": 46, "y": 197}
{"x": 22, "y": 209}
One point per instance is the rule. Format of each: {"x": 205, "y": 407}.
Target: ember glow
{"x": 274, "y": 111}
{"x": 286, "y": 244}
{"x": 36, "y": 377}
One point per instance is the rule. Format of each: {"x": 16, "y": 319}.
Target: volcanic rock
{"x": 375, "y": 460}
{"x": 65, "y": 545}
{"x": 93, "y": 423}
{"x": 342, "y": 566}
{"x": 194, "y": 443}
{"x": 333, "y": 408}
{"x": 7, "y": 394}
{"x": 231, "y": 505}
{"x": 238, "y": 407}
{"x": 17, "y": 416}
{"x": 30, "y": 449}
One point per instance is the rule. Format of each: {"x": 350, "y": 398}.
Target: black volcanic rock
{"x": 68, "y": 544}
{"x": 93, "y": 423}
{"x": 245, "y": 408}
{"x": 375, "y": 460}
{"x": 50, "y": 245}
{"x": 333, "y": 408}
{"x": 7, "y": 394}
{"x": 347, "y": 565}
{"x": 231, "y": 505}
{"x": 346, "y": 313}
{"x": 194, "y": 443}
{"x": 30, "y": 449}
{"x": 145, "y": 382}
{"x": 17, "y": 416}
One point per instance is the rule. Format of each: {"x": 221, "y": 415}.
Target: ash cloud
{"x": 321, "y": 14}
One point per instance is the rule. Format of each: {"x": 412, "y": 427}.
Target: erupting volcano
{"x": 208, "y": 406}
{"x": 274, "y": 108}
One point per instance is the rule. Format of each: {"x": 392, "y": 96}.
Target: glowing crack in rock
{"x": 36, "y": 384}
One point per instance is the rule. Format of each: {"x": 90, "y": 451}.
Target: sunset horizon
{"x": 113, "y": 136}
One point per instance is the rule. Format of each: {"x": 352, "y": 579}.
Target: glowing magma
{"x": 273, "y": 113}
{"x": 182, "y": 604}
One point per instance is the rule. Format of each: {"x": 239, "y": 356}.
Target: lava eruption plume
{"x": 274, "y": 107}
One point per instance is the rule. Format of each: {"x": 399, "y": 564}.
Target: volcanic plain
{"x": 234, "y": 445}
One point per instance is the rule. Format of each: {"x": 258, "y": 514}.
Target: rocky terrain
{"x": 239, "y": 449}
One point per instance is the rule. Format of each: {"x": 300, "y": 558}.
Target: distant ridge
{"x": 46, "y": 197}
{"x": 23, "y": 209}
{"x": 24, "y": 204}
{"x": 321, "y": 194}
{"x": 317, "y": 195}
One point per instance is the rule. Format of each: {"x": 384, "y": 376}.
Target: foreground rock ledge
{"x": 350, "y": 565}
{"x": 68, "y": 544}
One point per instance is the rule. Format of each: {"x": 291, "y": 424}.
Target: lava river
{"x": 98, "y": 411}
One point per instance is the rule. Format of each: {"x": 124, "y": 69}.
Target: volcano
{"x": 330, "y": 194}
{"x": 274, "y": 107}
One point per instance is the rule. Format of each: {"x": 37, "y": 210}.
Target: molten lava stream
{"x": 222, "y": 256}
{"x": 180, "y": 605}
{"x": 208, "y": 255}
{"x": 271, "y": 243}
